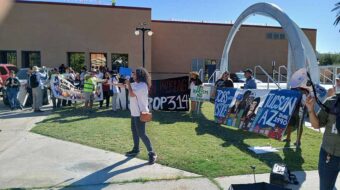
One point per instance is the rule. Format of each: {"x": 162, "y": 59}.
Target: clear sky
{"x": 306, "y": 13}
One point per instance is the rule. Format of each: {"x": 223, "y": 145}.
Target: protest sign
{"x": 261, "y": 111}
{"x": 200, "y": 93}
{"x": 170, "y": 94}
{"x": 223, "y": 98}
{"x": 63, "y": 89}
{"x": 275, "y": 113}
{"x": 125, "y": 71}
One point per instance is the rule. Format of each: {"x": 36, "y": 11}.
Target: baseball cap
{"x": 248, "y": 70}
{"x": 337, "y": 77}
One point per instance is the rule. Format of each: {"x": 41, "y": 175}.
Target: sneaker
{"x": 132, "y": 153}
{"x": 152, "y": 158}
{"x": 297, "y": 144}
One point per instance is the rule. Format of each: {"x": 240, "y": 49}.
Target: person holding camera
{"x": 329, "y": 157}
{"x": 138, "y": 93}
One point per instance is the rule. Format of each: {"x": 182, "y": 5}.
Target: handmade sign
{"x": 126, "y": 72}
{"x": 261, "y": 111}
{"x": 63, "y": 89}
{"x": 200, "y": 93}
{"x": 170, "y": 94}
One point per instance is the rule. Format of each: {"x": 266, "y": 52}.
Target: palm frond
{"x": 337, "y": 6}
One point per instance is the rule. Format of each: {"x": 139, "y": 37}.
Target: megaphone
{"x": 300, "y": 79}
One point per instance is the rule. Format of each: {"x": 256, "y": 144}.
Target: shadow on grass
{"x": 74, "y": 114}
{"x": 236, "y": 137}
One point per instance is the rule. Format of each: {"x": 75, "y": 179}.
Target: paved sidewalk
{"x": 30, "y": 160}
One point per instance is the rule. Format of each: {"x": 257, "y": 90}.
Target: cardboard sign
{"x": 200, "y": 93}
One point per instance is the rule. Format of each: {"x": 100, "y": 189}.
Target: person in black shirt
{"x": 224, "y": 81}
{"x": 12, "y": 87}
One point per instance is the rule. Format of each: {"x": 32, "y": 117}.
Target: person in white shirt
{"x": 138, "y": 93}
{"x": 115, "y": 91}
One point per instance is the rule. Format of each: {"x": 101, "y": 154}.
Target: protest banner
{"x": 261, "y": 111}
{"x": 223, "y": 98}
{"x": 275, "y": 113}
{"x": 170, "y": 94}
{"x": 63, "y": 89}
{"x": 200, "y": 93}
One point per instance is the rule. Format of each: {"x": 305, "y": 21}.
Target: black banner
{"x": 170, "y": 94}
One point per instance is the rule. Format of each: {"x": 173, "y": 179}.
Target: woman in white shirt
{"x": 138, "y": 93}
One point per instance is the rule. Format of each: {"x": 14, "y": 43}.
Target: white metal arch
{"x": 301, "y": 53}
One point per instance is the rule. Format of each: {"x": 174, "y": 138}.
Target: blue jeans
{"x": 328, "y": 172}
{"x": 138, "y": 131}
{"x": 12, "y": 94}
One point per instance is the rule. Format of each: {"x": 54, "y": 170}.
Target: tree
{"x": 337, "y": 19}
{"x": 113, "y": 2}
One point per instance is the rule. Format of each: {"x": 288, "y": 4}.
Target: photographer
{"x": 329, "y": 158}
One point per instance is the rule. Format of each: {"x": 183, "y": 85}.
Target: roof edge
{"x": 222, "y": 24}
{"x": 81, "y": 5}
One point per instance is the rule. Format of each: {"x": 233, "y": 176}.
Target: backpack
{"x": 34, "y": 81}
{"x": 281, "y": 176}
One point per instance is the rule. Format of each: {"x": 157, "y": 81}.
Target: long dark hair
{"x": 142, "y": 75}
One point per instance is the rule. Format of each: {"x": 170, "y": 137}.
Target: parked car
{"x": 4, "y": 73}
{"x": 239, "y": 77}
{"x": 23, "y": 77}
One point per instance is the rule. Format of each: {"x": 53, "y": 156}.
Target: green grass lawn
{"x": 189, "y": 142}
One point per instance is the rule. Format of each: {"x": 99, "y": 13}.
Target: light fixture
{"x": 137, "y": 32}
{"x": 150, "y": 33}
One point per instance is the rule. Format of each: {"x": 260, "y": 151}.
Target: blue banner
{"x": 275, "y": 113}
{"x": 223, "y": 98}
{"x": 267, "y": 112}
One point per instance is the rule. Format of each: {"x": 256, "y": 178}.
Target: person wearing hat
{"x": 12, "y": 87}
{"x": 194, "y": 81}
{"x": 250, "y": 81}
{"x": 329, "y": 157}
{"x": 37, "y": 88}
{"x": 336, "y": 87}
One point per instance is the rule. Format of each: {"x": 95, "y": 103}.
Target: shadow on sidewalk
{"x": 99, "y": 179}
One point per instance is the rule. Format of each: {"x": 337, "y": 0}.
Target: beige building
{"x": 51, "y": 34}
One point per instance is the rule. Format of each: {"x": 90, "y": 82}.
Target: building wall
{"x": 176, "y": 44}
{"x": 55, "y": 29}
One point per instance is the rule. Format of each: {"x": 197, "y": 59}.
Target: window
{"x": 119, "y": 60}
{"x": 3, "y": 71}
{"x": 31, "y": 58}
{"x": 9, "y": 57}
{"x": 275, "y": 36}
{"x": 98, "y": 60}
{"x": 282, "y": 36}
{"x": 76, "y": 60}
{"x": 269, "y": 35}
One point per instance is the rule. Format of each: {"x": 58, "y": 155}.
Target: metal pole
{"x": 143, "y": 32}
